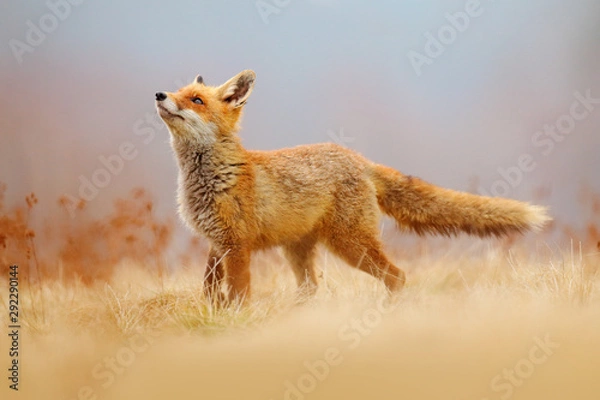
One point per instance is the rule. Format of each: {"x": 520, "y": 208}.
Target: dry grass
{"x": 470, "y": 314}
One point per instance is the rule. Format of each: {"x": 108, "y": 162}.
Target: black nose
{"x": 160, "y": 96}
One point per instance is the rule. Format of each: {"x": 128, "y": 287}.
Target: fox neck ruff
{"x": 205, "y": 174}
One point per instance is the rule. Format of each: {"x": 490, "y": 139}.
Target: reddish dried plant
{"x": 92, "y": 248}
{"x": 16, "y": 236}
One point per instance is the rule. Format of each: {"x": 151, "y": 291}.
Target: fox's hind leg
{"x": 301, "y": 256}
{"x": 364, "y": 251}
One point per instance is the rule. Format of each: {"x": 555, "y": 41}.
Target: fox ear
{"x": 199, "y": 80}
{"x": 236, "y": 91}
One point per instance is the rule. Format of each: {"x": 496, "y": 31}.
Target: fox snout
{"x": 166, "y": 107}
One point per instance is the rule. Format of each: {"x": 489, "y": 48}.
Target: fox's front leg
{"x": 214, "y": 275}
{"x": 237, "y": 263}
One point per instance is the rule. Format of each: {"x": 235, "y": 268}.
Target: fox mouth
{"x": 162, "y": 110}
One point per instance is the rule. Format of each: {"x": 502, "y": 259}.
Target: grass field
{"x": 477, "y": 320}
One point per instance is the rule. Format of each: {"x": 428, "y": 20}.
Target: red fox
{"x": 244, "y": 201}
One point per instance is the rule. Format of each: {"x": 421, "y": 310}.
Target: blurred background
{"x": 499, "y": 98}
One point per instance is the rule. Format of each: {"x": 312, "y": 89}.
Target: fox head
{"x": 202, "y": 113}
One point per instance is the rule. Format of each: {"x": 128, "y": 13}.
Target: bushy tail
{"x": 425, "y": 208}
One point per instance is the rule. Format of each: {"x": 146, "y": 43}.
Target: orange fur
{"x": 243, "y": 201}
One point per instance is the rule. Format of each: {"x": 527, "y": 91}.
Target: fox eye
{"x": 197, "y": 100}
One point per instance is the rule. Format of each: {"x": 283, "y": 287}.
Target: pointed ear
{"x": 237, "y": 90}
{"x": 199, "y": 80}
